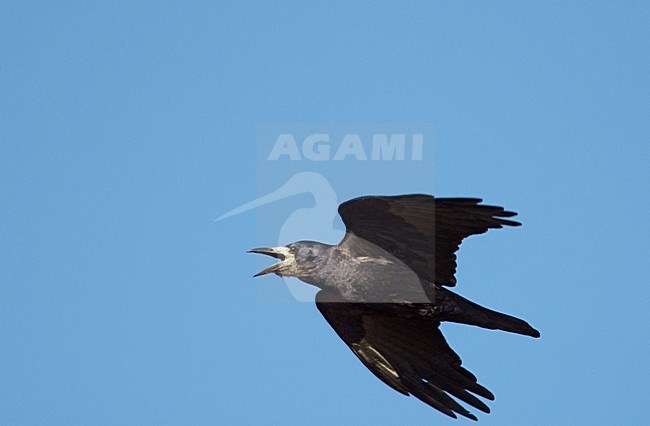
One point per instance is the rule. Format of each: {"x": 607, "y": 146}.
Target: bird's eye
{"x": 293, "y": 249}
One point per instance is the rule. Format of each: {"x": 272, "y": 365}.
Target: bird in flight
{"x": 384, "y": 291}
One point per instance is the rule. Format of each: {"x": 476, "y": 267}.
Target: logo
{"x": 323, "y": 147}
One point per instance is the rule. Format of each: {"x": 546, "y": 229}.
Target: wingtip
{"x": 469, "y": 415}
{"x": 508, "y": 222}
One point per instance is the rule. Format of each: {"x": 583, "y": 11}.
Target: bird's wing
{"x": 406, "y": 351}
{"x": 422, "y": 231}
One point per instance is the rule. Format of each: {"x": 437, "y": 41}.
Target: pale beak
{"x": 277, "y": 252}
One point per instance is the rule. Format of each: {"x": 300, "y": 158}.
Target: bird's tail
{"x": 455, "y": 308}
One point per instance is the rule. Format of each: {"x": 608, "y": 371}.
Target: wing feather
{"x": 406, "y": 351}
{"x": 422, "y": 231}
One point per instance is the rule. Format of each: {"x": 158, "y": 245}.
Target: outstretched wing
{"x": 422, "y": 231}
{"x": 406, "y": 351}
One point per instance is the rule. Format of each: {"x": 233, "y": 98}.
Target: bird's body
{"x": 383, "y": 290}
{"x": 354, "y": 268}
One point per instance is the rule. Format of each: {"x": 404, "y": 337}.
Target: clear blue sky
{"x": 126, "y": 128}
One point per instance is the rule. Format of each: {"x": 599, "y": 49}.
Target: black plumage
{"x": 383, "y": 291}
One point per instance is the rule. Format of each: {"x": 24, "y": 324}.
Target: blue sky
{"x": 127, "y": 128}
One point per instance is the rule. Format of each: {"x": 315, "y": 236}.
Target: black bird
{"x": 383, "y": 291}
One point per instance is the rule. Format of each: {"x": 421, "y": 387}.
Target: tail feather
{"x": 455, "y": 308}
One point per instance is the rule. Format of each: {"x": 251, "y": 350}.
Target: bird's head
{"x": 296, "y": 259}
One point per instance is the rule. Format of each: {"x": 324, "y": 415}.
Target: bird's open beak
{"x": 277, "y": 252}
